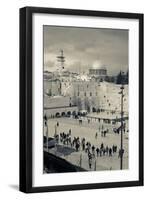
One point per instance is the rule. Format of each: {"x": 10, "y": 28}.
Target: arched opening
{"x": 93, "y": 109}
{"x": 57, "y": 114}
{"x": 63, "y": 114}
{"x": 79, "y": 113}
{"x": 74, "y": 113}
{"x": 68, "y": 114}
{"x": 83, "y": 114}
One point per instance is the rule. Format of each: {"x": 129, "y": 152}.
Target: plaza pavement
{"x": 88, "y": 131}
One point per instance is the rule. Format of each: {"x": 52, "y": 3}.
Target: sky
{"x": 86, "y": 48}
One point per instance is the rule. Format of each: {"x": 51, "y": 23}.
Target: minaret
{"x": 61, "y": 60}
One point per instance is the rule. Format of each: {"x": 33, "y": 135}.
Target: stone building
{"x": 97, "y": 72}
{"x": 77, "y": 93}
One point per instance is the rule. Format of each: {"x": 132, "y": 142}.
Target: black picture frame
{"x": 26, "y": 91}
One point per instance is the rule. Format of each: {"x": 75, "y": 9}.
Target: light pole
{"x": 121, "y": 143}
{"x": 55, "y": 130}
{"x": 46, "y": 125}
{"x": 47, "y": 135}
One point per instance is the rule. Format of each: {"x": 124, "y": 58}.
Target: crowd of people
{"x": 92, "y": 151}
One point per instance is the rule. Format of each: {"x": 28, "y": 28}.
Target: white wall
{"x": 9, "y": 84}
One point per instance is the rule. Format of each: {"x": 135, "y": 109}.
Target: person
{"x": 77, "y": 145}
{"x": 69, "y": 131}
{"x": 107, "y": 149}
{"x": 93, "y": 147}
{"x": 90, "y": 159}
{"x": 113, "y": 148}
{"x": 90, "y": 163}
{"x": 93, "y": 150}
{"x": 61, "y": 137}
{"x": 110, "y": 152}
{"x": 120, "y": 153}
{"x": 118, "y": 131}
{"x": 45, "y": 117}
{"x": 102, "y": 145}
{"x": 57, "y": 138}
{"x": 73, "y": 142}
{"x": 97, "y": 151}
{"x": 88, "y": 146}
{"x": 96, "y": 135}
{"x": 69, "y": 140}
{"x": 83, "y": 144}
{"x": 104, "y": 151}
{"x": 57, "y": 123}
{"x": 105, "y": 133}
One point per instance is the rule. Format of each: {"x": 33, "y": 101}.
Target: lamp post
{"x": 47, "y": 135}
{"x": 121, "y": 141}
{"x": 46, "y": 125}
{"x": 55, "y": 130}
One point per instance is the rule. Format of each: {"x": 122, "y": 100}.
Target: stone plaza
{"x": 88, "y": 131}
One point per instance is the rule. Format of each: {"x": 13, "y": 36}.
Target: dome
{"x": 98, "y": 65}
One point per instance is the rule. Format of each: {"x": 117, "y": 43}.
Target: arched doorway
{"x": 93, "y": 109}
{"x": 63, "y": 114}
{"x": 74, "y": 113}
{"x": 57, "y": 114}
{"x": 68, "y": 113}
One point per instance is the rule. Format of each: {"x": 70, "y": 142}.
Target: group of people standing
{"x": 92, "y": 151}
{"x": 102, "y": 150}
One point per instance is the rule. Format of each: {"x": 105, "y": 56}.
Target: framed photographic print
{"x": 81, "y": 99}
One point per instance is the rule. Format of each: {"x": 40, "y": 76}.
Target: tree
{"x": 119, "y": 78}
{"x": 127, "y": 77}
